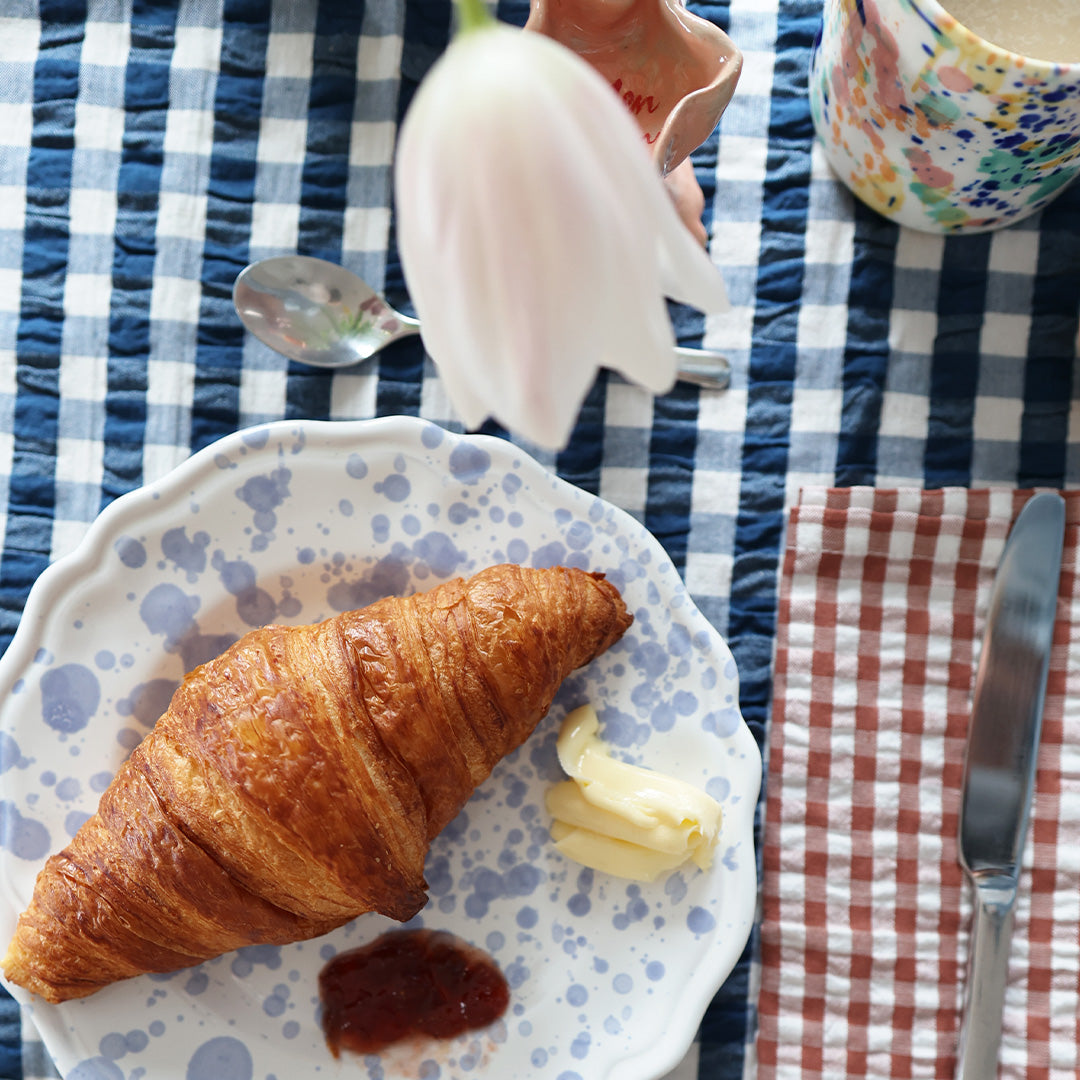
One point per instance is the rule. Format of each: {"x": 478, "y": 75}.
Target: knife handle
{"x": 988, "y": 973}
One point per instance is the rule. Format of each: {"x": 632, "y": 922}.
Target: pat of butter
{"x": 623, "y": 819}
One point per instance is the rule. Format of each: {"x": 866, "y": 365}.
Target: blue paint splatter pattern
{"x": 295, "y": 522}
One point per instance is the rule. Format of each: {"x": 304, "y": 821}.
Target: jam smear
{"x": 407, "y": 983}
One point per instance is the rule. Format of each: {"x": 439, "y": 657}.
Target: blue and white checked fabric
{"x": 149, "y": 149}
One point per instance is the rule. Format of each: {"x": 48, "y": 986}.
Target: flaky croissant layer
{"x": 297, "y": 780}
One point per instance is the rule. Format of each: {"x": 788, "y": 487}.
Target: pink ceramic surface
{"x": 675, "y": 71}
{"x": 934, "y": 127}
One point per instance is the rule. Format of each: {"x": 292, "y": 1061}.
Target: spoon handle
{"x": 703, "y": 367}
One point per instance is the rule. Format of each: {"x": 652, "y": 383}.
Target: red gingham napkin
{"x": 866, "y": 912}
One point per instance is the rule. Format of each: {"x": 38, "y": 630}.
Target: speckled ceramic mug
{"x": 934, "y": 127}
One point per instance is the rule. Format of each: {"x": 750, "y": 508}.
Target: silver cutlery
{"x": 319, "y": 313}
{"x": 999, "y": 764}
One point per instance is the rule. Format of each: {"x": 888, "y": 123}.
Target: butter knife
{"x": 999, "y": 763}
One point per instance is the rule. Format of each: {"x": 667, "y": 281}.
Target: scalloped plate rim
{"x": 109, "y": 526}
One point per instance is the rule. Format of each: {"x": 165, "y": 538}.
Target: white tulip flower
{"x": 537, "y": 238}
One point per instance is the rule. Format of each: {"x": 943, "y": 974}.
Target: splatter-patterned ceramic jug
{"x": 934, "y": 127}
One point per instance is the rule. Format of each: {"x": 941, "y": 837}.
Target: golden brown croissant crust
{"x": 296, "y": 781}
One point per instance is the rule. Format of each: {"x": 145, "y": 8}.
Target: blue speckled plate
{"x": 294, "y": 522}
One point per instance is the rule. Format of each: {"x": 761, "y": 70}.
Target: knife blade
{"x": 999, "y": 763}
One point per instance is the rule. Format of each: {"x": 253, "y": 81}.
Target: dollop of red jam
{"x": 407, "y": 983}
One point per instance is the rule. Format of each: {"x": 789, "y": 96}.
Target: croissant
{"x": 297, "y": 780}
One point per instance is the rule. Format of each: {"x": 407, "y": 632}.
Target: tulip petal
{"x": 535, "y": 234}
{"x": 687, "y": 272}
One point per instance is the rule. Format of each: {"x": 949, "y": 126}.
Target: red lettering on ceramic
{"x": 636, "y": 103}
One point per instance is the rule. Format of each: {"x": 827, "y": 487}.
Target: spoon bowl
{"x": 318, "y": 313}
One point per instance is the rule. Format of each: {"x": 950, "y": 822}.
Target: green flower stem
{"x": 473, "y": 15}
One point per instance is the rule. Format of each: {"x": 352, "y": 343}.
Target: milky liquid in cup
{"x": 1037, "y": 29}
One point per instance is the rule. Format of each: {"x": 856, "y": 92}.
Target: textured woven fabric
{"x": 36, "y": 1063}
{"x": 150, "y": 148}
{"x": 866, "y": 914}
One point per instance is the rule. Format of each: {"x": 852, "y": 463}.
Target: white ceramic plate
{"x": 293, "y": 522}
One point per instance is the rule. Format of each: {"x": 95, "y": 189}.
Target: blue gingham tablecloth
{"x": 150, "y": 149}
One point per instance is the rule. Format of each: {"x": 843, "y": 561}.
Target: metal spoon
{"x": 317, "y": 312}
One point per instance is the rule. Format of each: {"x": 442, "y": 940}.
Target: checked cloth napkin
{"x": 866, "y": 912}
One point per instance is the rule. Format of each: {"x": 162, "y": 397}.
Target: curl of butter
{"x": 620, "y": 818}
